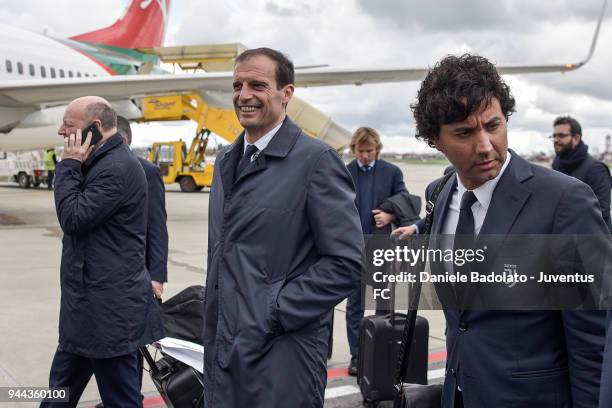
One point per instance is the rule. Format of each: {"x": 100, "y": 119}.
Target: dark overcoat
{"x": 105, "y": 289}
{"x": 284, "y": 248}
{"x": 156, "y": 248}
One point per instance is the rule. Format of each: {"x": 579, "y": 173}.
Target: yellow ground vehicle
{"x": 178, "y": 165}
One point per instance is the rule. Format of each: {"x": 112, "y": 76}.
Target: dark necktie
{"x": 464, "y": 239}
{"x": 465, "y": 226}
{"x": 246, "y": 159}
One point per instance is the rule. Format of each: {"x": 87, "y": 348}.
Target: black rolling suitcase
{"x": 379, "y": 344}
{"x": 179, "y": 385}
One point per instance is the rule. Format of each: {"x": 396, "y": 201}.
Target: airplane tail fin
{"x": 142, "y": 26}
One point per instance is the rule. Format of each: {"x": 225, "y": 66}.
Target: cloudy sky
{"x": 390, "y": 34}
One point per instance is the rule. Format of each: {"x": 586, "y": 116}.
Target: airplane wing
{"x": 214, "y": 87}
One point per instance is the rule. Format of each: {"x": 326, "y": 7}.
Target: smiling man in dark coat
{"x": 100, "y": 198}
{"x": 284, "y": 247}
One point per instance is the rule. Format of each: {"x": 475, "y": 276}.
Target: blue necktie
{"x": 464, "y": 239}
{"x": 465, "y": 225}
{"x": 246, "y": 159}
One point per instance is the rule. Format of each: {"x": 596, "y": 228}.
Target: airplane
{"x": 41, "y": 74}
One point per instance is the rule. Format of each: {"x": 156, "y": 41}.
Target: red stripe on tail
{"x": 142, "y": 26}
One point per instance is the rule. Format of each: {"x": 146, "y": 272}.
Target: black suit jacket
{"x": 157, "y": 231}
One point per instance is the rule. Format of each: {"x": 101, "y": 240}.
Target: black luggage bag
{"x": 379, "y": 343}
{"x": 183, "y": 315}
{"x": 179, "y": 385}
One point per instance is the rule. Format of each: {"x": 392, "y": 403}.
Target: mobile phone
{"x": 96, "y": 136}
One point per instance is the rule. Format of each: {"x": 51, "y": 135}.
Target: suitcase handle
{"x": 150, "y": 361}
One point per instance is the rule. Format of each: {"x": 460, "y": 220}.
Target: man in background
{"x": 375, "y": 180}
{"x": 573, "y": 159}
{"x": 157, "y": 230}
{"x": 50, "y": 162}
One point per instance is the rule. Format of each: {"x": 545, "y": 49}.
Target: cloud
{"x": 391, "y": 34}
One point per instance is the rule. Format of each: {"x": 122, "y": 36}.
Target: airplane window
{"x": 78, "y": 74}
{"x": 86, "y": 74}
{"x": 32, "y": 70}
{"x": 52, "y": 72}
{"x": 9, "y": 66}
{"x": 70, "y": 74}
{"x": 61, "y": 72}
{"x": 20, "y": 68}
{"x": 43, "y": 72}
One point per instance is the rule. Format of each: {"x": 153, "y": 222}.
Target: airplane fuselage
{"x": 30, "y": 56}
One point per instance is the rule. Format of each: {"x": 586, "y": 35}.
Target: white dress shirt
{"x": 361, "y": 165}
{"x": 262, "y": 142}
{"x": 483, "y": 193}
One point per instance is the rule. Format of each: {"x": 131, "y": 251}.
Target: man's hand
{"x": 73, "y": 148}
{"x": 404, "y": 232}
{"x": 382, "y": 218}
{"x": 158, "y": 288}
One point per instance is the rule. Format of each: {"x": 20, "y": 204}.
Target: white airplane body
{"x": 39, "y": 75}
{"x": 38, "y": 128}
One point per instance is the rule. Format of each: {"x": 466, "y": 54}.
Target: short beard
{"x": 565, "y": 148}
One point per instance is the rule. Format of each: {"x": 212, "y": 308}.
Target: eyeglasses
{"x": 560, "y": 135}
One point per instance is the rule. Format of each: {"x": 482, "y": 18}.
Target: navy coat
{"x": 156, "y": 248}
{"x": 284, "y": 247}
{"x": 105, "y": 289}
{"x": 388, "y": 181}
{"x": 605, "y": 396}
{"x": 157, "y": 232}
{"x": 527, "y": 358}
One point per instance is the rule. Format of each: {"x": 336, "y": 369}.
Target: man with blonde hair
{"x": 375, "y": 180}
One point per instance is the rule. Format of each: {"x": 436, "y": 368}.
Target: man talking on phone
{"x": 101, "y": 204}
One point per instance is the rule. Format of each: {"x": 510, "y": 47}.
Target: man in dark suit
{"x": 157, "y": 231}
{"x": 100, "y": 198}
{"x": 375, "y": 181}
{"x": 284, "y": 248}
{"x": 506, "y": 358}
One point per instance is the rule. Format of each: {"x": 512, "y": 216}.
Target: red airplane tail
{"x": 142, "y": 26}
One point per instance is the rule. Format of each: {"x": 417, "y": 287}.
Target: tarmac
{"x": 30, "y": 250}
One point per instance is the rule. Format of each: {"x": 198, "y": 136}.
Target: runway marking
{"x": 156, "y": 401}
{"x": 337, "y": 373}
{"x": 435, "y": 374}
{"x": 344, "y": 390}
{"x": 330, "y": 393}
{"x": 6, "y": 379}
{"x": 439, "y": 356}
